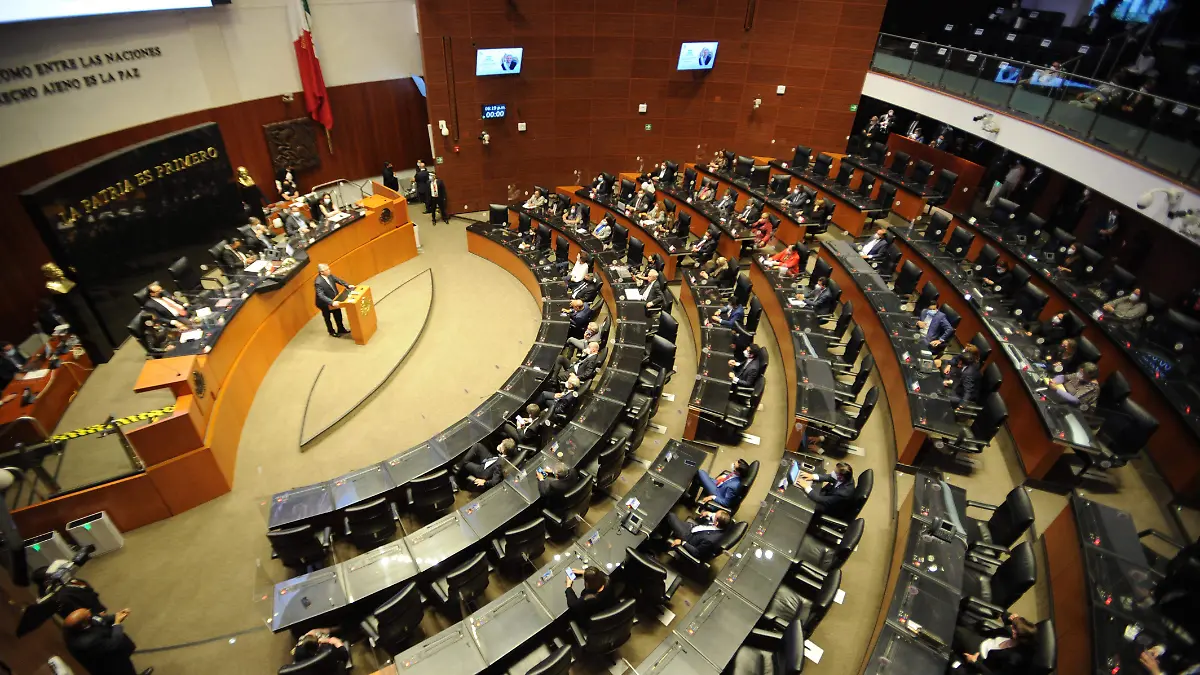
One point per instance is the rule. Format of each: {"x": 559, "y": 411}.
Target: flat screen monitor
{"x": 1140, "y": 11}
{"x": 494, "y": 111}
{"x": 697, "y": 56}
{"x": 36, "y": 10}
{"x": 503, "y": 61}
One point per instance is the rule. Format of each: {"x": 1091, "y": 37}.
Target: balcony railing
{"x": 1159, "y": 133}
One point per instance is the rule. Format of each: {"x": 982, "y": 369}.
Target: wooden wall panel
{"x": 374, "y": 122}
{"x": 588, "y": 65}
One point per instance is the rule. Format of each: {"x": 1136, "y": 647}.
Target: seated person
{"x": 603, "y": 229}
{"x": 786, "y": 261}
{"x": 937, "y": 328}
{"x": 704, "y": 249}
{"x": 796, "y": 198}
{"x": 962, "y": 372}
{"x": 875, "y": 246}
{"x": 586, "y": 290}
{"x": 1051, "y": 330}
{"x": 598, "y": 594}
{"x": 318, "y": 641}
{"x": 327, "y": 207}
{"x": 233, "y": 257}
{"x": 819, "y": 298}
{"x": 524, "y": 430}
{"x": 574, "y": 215}
{"x": 727, "y": 202}
{"x": 599, "y": 187}
{"x": 644, "y": 200}
{"x": 584, "y": 366}
{"x": 1065, "y": 356}
{"x": 817, "y": 212}
{"x": 702, "y": 538}
{"x": 1070, "y": 260}
{"x": 1128, "y": 308}
{"x": 156, "y": 336}
{"x": 556, "y": 483}
{"x": 718, "y": 163}
{"x": 481, "y": 468}
{"x": 579, "y": 314}
{"x": 655, "y": 292}
{"x": 1079, "y": 389}
{"x": 295, "y": 223}
{"x": 706, "y": 193}
{"x": 1007, "y": 651}
{"x": 592, "y": 333}
{"x": 562, "y": 401}
{"x": 536, "y": 200}
{"x": 763, "y": 230}
{"x": 262, "y": 239}
{"x": 717, "y": 270}
{"x": 724, "y": 488}
{"x": 729, "y": 315}
{"x": 659, "y": 172}
{"x": 749, "y": 212}
{"x": 583, "y": 263}
{"x": 165, "y": 307}
{"x": 999, "y": 277}
{"x": 652, "y": 218}
{"x": 553, "y": 206}
{"x": 748, "y": 368}
{"x": 835, "y": 491}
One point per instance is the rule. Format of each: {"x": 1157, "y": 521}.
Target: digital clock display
{"x": 495, "y": 111}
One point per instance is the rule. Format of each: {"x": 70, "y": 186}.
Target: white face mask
{"x": 1055, "y": 320}
{"x": 1135, "y": 297}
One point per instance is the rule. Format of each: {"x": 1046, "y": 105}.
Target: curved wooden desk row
{"x": 703, "y": 216}
{"x": 1175, "y": 447}
{"x": 714, "y": 348}
{"x": 357, "y": 585}
{"x": 790, "y": 230}
{"x": 1038, "y": 448}
{"x": 846, "y": 215}
{"x": 191, "y": 455}
{"x": 52, "y": 392}
{"x": 653, "y": 245}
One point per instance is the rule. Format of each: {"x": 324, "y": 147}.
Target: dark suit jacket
{"x": 103, "y": 647}
{"x": 161, "y": 312}
{"x": 257, "y": 244}
{"x": 968, "y": 387}
{"x": 326, "y": 288}
{"x": 230, "y": 257}
{"x": 586, "y": 366}
{"x": 749, "y": 372}
{"x": 584, "y": 291}
{"x": 473, "y": 461}
{"x": 441, "y": 195}
{"x": 830, "y": 497}
{"x": 704, "y": 545}
{"x": 1051, "y": 332}
{"x": 293, "y": 222}
{"x": 656, "y": 294}
{"x": 580, "y": 319}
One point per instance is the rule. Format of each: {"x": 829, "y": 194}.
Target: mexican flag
{"x": 316, "y": 100}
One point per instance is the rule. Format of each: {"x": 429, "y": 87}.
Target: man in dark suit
{"x": 295, "y": 223}
{"x": 11, "y": 363}
{"x": 526, "y": 429}
{"x": 796, "y": 199}
{"x": 747, "y": 370}
{"x": 579, "y": 314}
{"x": 750, "y": 213}
{"x": 437, "y": 198}
{"x": 962, "y": 373}
{"x": 261, "y": 239}
{"x": 937, "y": 329}
{"x": 420, "y": 181}
{"x": 819, "y": 297}
{"x": 727, "y": 202}
{"x": 586, "y": 290}
{"x": 100, "y": 644}
{"x": 563, "y": 400}
{"x": 704, "y": 249}
{"x": 326, "y": 286}
{"x": 702, "y": 538}
{"x": 481, "y": 468}
{"x": 585, "y": 365}
{"x": 655, "y": 293}
{"x": 835, "y": 489}
{"x": 556, "y": 483}
{"x": 164, "y": 307}
{"x": 644, "y": 200}
{"x": 234, "y": 258}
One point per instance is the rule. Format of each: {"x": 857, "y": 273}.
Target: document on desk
{"x": 257, "y": 266}
{"x": 795, "y": 302}
{"x": 35, "y": 374}
{"x": 203, "y": 312}
{"x": 634, "y": 294}
{"x": 190, "y": 335}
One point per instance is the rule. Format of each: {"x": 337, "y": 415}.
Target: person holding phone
{"x": 597, "y": 595}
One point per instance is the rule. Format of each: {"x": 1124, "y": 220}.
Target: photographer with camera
{"x": 69, "y": 594}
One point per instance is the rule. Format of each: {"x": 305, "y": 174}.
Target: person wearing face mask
{"x": 795, "y": 199}
{"x": 603, "y": 229}
{"x": 723, "y": 489}
{"x": 296, "y": 224}
{"x": 962, "y": 373}
{"x": 937, "y": 328}
{"x": 1051, "y": 330}
{"x": 327, "y": 207}
{"x": 1079, "y": 389}
{"x": 727, "y": 202}
{"x": 599, "y": 187}
{"x": 1128, "y": 308}
{"x": 746, "y": 372}
{"x": 999, "y": 277}
{"x": 1070, "y": 260}
{"x": 729, "y": 315}
{"x": 875, "y": 246}
{"x": 832, "y": 491}
{"x": 1105, "y": 229}
{"x": 12, "y": 361}
{"x": 421, "y": 180}
{"x": 285, "y": 184}
{"x": 819, "y": 297}
{"x": 574, "y": 215}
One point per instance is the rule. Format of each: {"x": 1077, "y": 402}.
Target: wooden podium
{"x": 360, "y": 310}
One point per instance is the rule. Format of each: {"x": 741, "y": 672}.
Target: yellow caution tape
{"x": 120, "y": 421}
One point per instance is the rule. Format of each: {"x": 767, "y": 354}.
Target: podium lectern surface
{"x": 360, "y": 310}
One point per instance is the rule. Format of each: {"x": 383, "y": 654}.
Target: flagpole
{"x": 328, "y": 140}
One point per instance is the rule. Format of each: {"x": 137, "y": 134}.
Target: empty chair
{"x": 1123, "y": 434}
{"x": 743, "y": 333}
{"x": 844, "y": 174}
{"x": 369, "y": 525}
{"x": 939, "y": 223}
{"x": 497, "y": 214}
{"x": 619, "y": 238}
{"x": 907, "y": 278}
{"x": 683, "y": 224}
{"x": 393, "y": 623}
{"x": 988, "y": 583}
{"x": 562, "y": 249}
{"x": 1005, "y": 526}
{"x": 430, "y": 495}
{"x": 543, "y": 237}
{"x": 606, "y": 466}
{"x": 985, "y": 262}
{"x": 952, "y": 315}
{"x": 698, "y": 568}
{"x": 802, "y": 598}
{"x": 884, "y": 202}
{"x": 1003, "y": 212}
{"x": 604, "y": 632}
{"x": 848, "y": 427}
{"x": 921, "y": 172}
{"x": 848, "y": 391}
{"x": 668, "y": 327}
{"x": 563, "y": 513}
{"x": 822, "y": 552}
{"x": 517, "y": 548}
{"x": 183, "y": 275}
{"x": 1117, "y": 282}
{"x": 552, "y": 662}
{"x": 741, "y": 166}
{"x": 1073, "y": 325}
{"x": 459, "y": 588}
{"x": 770, "y": 653}
{"x": 1027, "y": 304}
{"x": 780, "y": 184}
{"x": 524, "y": 223}
{"x": 1113, "y": 391}
{"x": 739, "y": 413}
{"x": 899, "y": 163}
{"x": 634, "y": 253}
{"x": 866, "y": 186}
{"x": 657, "y": 371}
{"x": 943, "y": 187}
{"x": 648, "y": 582}
{"x": 821, "y": 166}
{"x": 973, "y": 439}
{"x": 801, "y": 156}
{"x": 300, "y": 547}
{"x": 1087, "y": 268}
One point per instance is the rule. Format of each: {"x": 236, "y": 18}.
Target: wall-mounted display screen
{"x": 505, "y": 61}
{"x": 495, "y": 111}
{"x": 697, "y": 56}
{"x": 34, "y": 10}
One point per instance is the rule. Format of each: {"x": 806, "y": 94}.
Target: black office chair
{"x": 697, "y": 568}
{"x": 431, "y": 495}
{"x": 497, "y": 215}
{"x": 906, "y": 280}
{"x": 1113, "y": 391}
{"x": 866, "y": 187}
{"x": 606, "y": 466}
{"x": 324, "y": 663}
{"x": 683, "y": 224}
{"x": 458, "y": 589}
{"x": 991, "y": 586}
{"x": 1089, "y": 266}
{"x": 564, "y": 512}
{"x": 952, "y": 315}
{"x": 743, "y": 333}
{"x": 884, "y": 201}
{"x": 635, "y": 251}
{"x": 801, "y": 157}
{"x": 141, "y": 295}
{"x": 802, "y": 598}
{"x": 943, "y": 188}
{"x": 845, "y": 174}
{"x": 562, "y": 249}
{"x": 939, "y": 224}
{"x": 781, "y": 183}
{"x": 516, "y": 549}
{"x": 556, "y": 661}
{"x": 740, "y": 410}
{"x": 619, "y": 238}
{"x": 985, "y": 262}
{"x": 370, "y": 524}
{"x": 302, "y": 547}
{"x": 1073, "y": 325}
{"x": 658, "y": 369}
{"x": 672, "y": 169}
{"x": 1117, "y": 282}
{"x": 847, "y": 392}
{"x": 689, "y": 180}
{"x": 835, "y": 521}
{"x": 1028, "y": 303}
{"x": 524, "y": 223}
{"x": 543, "y": 242}
{"x": 928, "y": 296}
{"x": 770, "y": 653}
{"x": 1004, "y": 213}
{"x": 821, "y": 553}
{"x": 988, "y": 420}
{"x": 183, "y": 275}
{"x": 1007, "y": 524}
{"x": 217, "y": 253}
{"x": 394, "y": 623}
{"x": 921, "y": 172}
{"x": 604, "y": 632}
{"x": 1123, "y": 434}
{"x": 1045, "y": 655}
{"x": 667, "y": 328}
{"x": 648, "y": 582}
{"x": 850, "y": 351}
